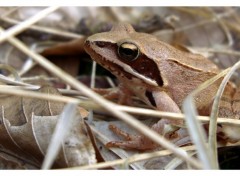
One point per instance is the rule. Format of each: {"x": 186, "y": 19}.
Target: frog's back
{"x": 160, "y": 50}
{"x": 195, "y": 61}
{"x": 187, "y": 59}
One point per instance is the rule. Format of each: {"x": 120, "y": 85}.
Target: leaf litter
{"x": 28, "y": 123}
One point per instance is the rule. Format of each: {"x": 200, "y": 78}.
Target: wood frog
{"x": 161, "y": 75}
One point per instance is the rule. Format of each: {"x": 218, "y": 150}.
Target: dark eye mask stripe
{"x": 142, "y": 65}
{"x": 149, "y": 95}
{"x": 145, "y": 66}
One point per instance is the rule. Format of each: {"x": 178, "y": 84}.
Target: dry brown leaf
{"x": 6, "y": 163}
{"x": 66, "y": 55}
{"x": 73, "y": 47}
{"x": 27, "y": 124}
{"x": 10, "y": 161}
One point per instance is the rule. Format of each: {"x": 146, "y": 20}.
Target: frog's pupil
{"x": 129, "y": 52}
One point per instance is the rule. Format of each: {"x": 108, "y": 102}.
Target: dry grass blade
{"x": 43, "y": 96}
{"x": 171, "y": 115}
{"x": 92, "y": 85}
{"x": 24, "y": 25}
{"x": 209, "y": 19}
{"x": 63, "y": 126}
{"x": 93, "y": 74}
{"x": 46, "y": 30}
{"x": 214, "y": 114}
{"x": 194, "y": 11}
{"x": 8, "y": 80}
{"x": 18, "y": 91}
{"x": 223, "y": 26}
{"x": 132, "y": 159}
{"x": 11, "y": 70}
{"x": 196, "y": 130}
{"x": 219, "y": 50}
{"x": 104, "y": 103}
{"x": 176, "y": 162}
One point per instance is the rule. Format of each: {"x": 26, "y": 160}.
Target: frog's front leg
{"x": 165, "y": 127}
{"x": 121, "y": 93}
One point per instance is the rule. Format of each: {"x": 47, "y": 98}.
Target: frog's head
{"x": 123, "y": 52}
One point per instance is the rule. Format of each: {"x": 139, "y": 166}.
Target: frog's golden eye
{"x": 128, "y": 51}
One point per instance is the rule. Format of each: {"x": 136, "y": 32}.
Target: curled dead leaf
{"x": 27, "y": 124}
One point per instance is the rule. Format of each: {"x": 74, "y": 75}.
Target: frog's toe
{"x": 137, "y": 143}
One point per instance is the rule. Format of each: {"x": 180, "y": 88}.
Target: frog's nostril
{"x": 100, "y": 44}
{"x": 87, "y": 42}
